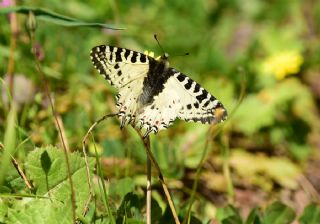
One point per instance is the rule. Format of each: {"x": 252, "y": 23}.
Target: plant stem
{"x": 47, "y": 92}
{"x": 149, "y": 191}
{"x": 13, "y": 44}
{"x": 163, "y": 184}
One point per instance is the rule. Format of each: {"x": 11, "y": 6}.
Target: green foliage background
{"x": 269, "y": 147}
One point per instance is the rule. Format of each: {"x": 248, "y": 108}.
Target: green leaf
{"x": 300, "y": 151}
{"x": 279, "y": 213}
{"x": 281, "y": 170}
{"x": 253, "y": 217}
{"x": 311, "y": 214}
{"x": 45, "y": 162}
{"x": 51, "y": 182}
{"x": 3, "y": 210}
{"x": 232, "y": 220}
{"x": 122, "y": 187}
{"x": 250, "y": 123}
{"x": 46, "y": 15}
{"x": 133, "y": 208}
{"x": 228, "y": 215}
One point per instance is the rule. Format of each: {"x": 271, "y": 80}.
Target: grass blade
{"x": 9, "y": 143}
{"x": 49, "y": 16}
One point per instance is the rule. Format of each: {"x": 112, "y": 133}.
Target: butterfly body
{"x": 152, "y": 94}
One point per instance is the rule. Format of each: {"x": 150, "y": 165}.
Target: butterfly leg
{"x": 150, "y": 130}
{"x": 127, "y": 119}
{"x": 146, "y": 134}
{"x": 123, "y": 122}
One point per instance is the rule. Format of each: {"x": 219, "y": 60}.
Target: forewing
{"x": 127, "y": 101}
{"x": 119, "y": 66}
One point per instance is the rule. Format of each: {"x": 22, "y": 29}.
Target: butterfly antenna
{"x": 164, "y": 53}
{"x": 155, "y": 37}
{"x": 179, "y": 55}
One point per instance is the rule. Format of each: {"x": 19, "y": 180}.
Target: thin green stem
{"x": 102, "y": 183}
{"x": 146, "y": 144}
{"x": 149, "y": 191}
{"x": 211, "y": 135}
{"x": 86, "y": 158}
{"x": 226, "y": 170}
{"x": 32, "y": 28}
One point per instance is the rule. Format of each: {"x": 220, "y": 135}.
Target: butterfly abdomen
{"x": 153, "y": 83}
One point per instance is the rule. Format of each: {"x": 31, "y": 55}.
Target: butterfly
{"x": 152, "y": 94}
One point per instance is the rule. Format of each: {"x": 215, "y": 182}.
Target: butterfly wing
{"x": 119, "y": 66}
{"x": 124, "y": 69}
{"x": 181, "y": 98}
{"x": 198, "y": 104}
{"x": 163, "y": 110}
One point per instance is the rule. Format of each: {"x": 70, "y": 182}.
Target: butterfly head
{"x": 165, "y": 59}
{"x": 165, "y": 56}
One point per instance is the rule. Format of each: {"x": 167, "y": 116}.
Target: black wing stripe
{"x": 118, "y": 55}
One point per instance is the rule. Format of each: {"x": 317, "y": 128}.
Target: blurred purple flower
{"x": 5, "y": 3}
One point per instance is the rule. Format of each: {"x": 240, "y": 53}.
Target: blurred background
{"x": 269, "y": 147}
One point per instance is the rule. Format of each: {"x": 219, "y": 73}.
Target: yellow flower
{"x": 283, "y": 63}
